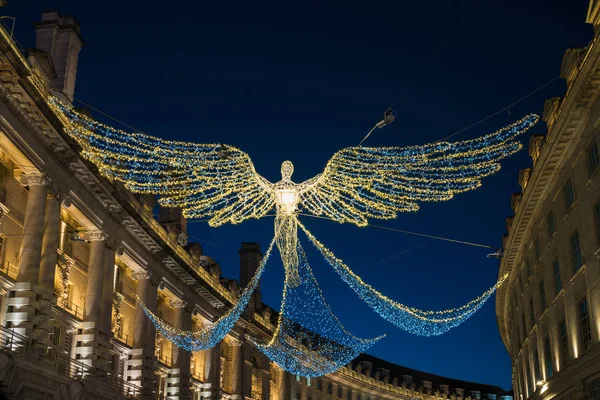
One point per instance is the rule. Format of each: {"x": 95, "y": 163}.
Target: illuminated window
{"x": 551, "y": 222}
{"x": 548, "y": 357}
{"x": 339, "y": 392}
{"x": 593, "y": 390}
{"x": 576, "y": 252}
{"x": 564, "y": 342}
{"x": 593, "y": 160}
{"x": 557, "y": 279}
{"x": 569, "y": 194}
{"x": 542, "y": 295}
{"x": 584, "y": 319}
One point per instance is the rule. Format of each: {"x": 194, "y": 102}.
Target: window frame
{"x": 542, "y": 291}
{"x": 558, "y": 284}
{"x": 549, "y": 368}
{"x": 576, "y": 257}
{"x": 564, "y": 352}
{"x": 592, "y": 164}
{"x": 585, "y": 324}
{"x": 569, "y": 195}
{"x": 551, "y": 223}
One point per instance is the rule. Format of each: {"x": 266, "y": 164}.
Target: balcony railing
{"x": 69, "y": 307}
{"x": 124, "y": 338}
{"x": 164, "y": 360}
{"x": 9, "y": 268}
{"x": 22, "y": 347}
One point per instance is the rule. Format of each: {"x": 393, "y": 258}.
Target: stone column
{"x": 266, "y": 384}
{"x": 48, "y": 264}
{"x": 50, "y": 245}
{"x": 212, "y": 371}
{"x": 30, "y": 253}
{"x": 92, "y": 310}
{"x": 25, "y": 317}
{"x": 142, "y": 354}
{"x": 236, "y": 368}
{"x": 284, "y": 385}
{"x": 108, "y": 288}
{"x": 93, "y": 346}
{"x": 180, "y": 372}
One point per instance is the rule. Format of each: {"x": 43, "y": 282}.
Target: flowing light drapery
{"x": 309, "y": 340}
{"x": 213, "y": 333}
{"x": 412, "y": 320}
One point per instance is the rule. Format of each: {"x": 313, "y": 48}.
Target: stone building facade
{"x": 76, "y": 250}
{"x": 549, "y": 311}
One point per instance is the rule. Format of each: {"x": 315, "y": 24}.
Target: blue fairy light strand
{"x": 309, "y": 340}
{"x": 216, "y": 332}
{"x": 409, "y": 319}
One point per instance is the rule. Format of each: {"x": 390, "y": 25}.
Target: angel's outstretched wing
{"x": 378, "y": 182}
{"x": 205, "y": 180}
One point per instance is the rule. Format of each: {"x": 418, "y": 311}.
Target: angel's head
{"x": 287, "y": 169}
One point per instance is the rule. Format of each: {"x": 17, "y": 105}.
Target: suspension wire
{"x": 431, "y": 240}
{"x": 108, "y": 116}
{"x": 433, "y": 55}
{"x": 411, "y": 233}
{"x": 502, "y": 109}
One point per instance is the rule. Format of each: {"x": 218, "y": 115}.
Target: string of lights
{"x": 378, "y": 182}
{"x": 309, "y": 340}
{"x": 410, "y": 319}
{"x": 221, "y": 183}
{"x": 213, "y": 333}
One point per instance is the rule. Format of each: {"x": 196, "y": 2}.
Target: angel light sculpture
{"x": 358, "y": 183}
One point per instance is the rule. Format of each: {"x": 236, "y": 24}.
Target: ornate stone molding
{"x": 95, "y": 236}
{"x": 137, "y": 275}
{"x": 34, "y": 180}
{"x": 177, "y": 303}
{"x": 234, "y": 342}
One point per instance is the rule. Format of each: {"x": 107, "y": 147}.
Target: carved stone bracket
{"x": 137, "y": 275}
{"x": 95, "y": 236}
{"x": 35, "y": 180}
{"x": 177, "y": 303}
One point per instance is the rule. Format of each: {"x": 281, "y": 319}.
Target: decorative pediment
{"x": 524, "y": 175}
{"x": 550, "y": 114}
{"x": 536, "y": 143}
{"x": 570, "y": 64}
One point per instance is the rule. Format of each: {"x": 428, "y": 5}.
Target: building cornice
{"x": 569, "y": 120}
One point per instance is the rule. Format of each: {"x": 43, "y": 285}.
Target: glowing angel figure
{"x": 358, "y": 183}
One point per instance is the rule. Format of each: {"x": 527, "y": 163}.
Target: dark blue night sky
{"x": 300, "y": 80}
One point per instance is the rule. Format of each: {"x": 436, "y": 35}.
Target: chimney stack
{"x": 250, "y": 258}
{"x": 172, "y": 219}
{"x": 59, "y": 37}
